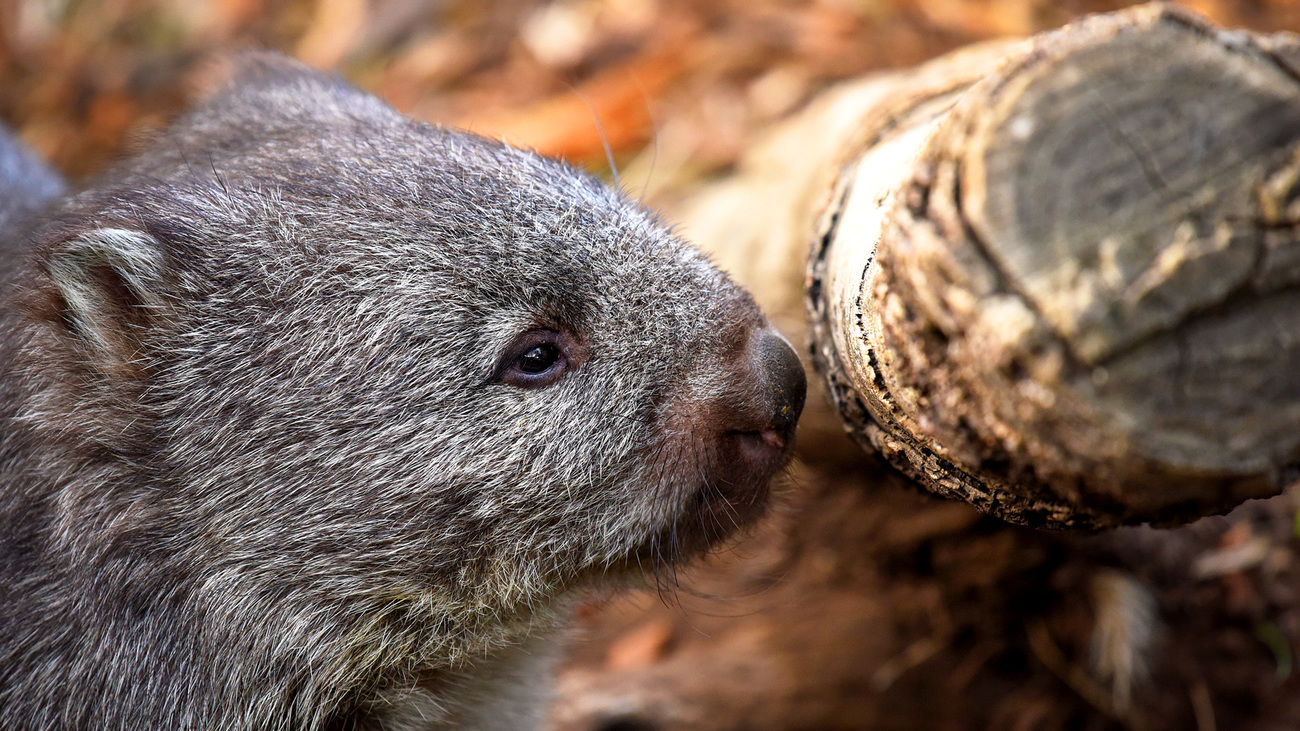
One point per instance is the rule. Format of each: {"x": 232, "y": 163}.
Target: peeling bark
{"x": 1063, "y": 285}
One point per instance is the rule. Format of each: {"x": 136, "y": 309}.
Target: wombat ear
{"x": 109, "y": 280}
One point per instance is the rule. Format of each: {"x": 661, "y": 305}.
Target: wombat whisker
{"x": 216, "y": 176}
{"x": 654, "y": 135}
{"x": 600, "y": 130}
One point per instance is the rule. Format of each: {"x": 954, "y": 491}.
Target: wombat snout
{"x": 762, "y": 421}
{"x": 785, "y": 381}
{"x": 765, "y": 425}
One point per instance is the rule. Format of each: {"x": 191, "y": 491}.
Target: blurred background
{"x": 860, "y": 604}
{"x": 690, "y": 80}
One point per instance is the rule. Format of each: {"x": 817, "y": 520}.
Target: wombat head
{"x": 350, "y": 365}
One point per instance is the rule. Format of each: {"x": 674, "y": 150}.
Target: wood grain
{"x": 1062, "y": 287}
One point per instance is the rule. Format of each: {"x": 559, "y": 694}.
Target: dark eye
{"x": 538, "y": 358}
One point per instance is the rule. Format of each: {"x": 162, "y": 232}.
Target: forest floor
{"x": 860, "y": 603}
{"x": 865, "y": 605}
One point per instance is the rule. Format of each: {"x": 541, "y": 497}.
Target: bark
{"x": 1067, "y": 293}
{"x": 1055, "y": 279}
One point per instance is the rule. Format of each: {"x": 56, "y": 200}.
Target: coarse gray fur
{"x": 259, "y": 466}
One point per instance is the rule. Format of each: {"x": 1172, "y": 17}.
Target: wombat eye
{"x": 538, "y": 358}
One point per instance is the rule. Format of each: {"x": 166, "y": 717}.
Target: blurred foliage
{"x": 687, "y": 81}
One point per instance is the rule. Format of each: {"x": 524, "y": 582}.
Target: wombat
{"x": 314, "y": 416}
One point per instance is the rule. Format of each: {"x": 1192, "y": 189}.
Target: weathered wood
{"x": 1064, "y": 288}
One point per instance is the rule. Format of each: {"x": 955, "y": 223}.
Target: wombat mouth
{"x": 723, "y": 505}
{"x": 762, "y": 446}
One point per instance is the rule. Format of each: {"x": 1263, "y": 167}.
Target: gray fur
{"x": 257, "y": 465}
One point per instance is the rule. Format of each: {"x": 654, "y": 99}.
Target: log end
{"x": 1081, "y": 306}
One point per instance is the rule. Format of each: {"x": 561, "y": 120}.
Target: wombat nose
{"x": 785, "y": 378}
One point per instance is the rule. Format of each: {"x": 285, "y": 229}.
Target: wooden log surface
{"x": 1054, "y": 279}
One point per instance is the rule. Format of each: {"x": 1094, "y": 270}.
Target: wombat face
{"x": 355, "y": 357}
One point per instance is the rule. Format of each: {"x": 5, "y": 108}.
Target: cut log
{"x": 1067, "y": 293}
{"x": 1056, "y": 279}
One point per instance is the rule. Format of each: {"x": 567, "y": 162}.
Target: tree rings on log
{"x": 1067, "y": 291}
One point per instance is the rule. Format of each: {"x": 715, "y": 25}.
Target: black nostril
{"x": 785, "y": 378}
